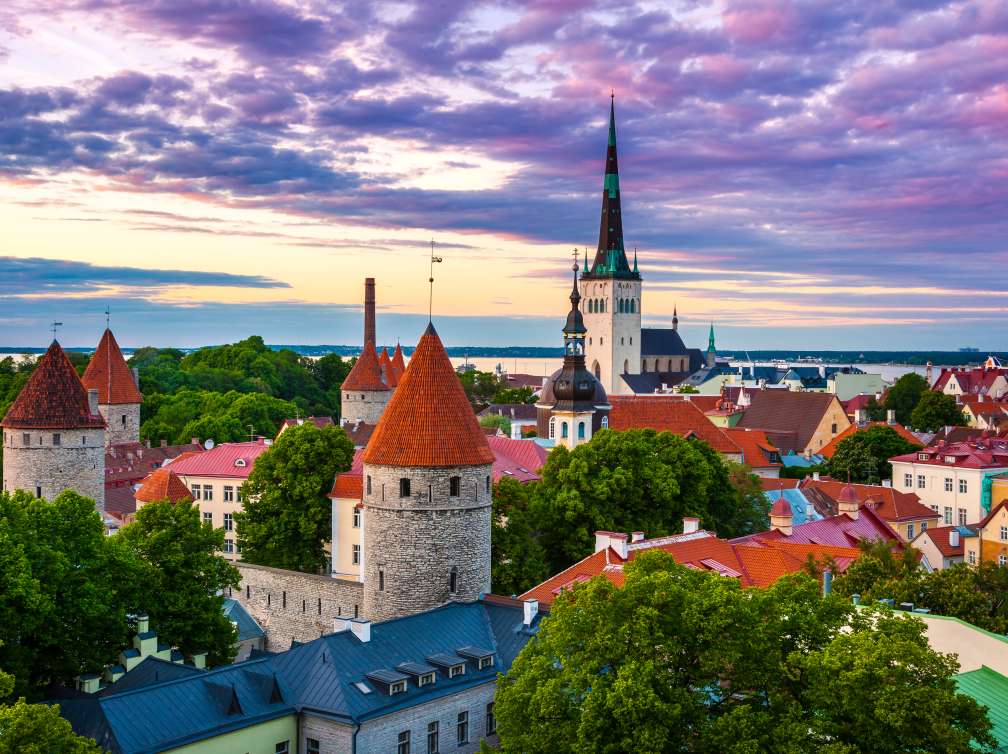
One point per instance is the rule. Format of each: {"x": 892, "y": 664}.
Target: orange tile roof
{"x": 756, "y": 447}
{"x": 398, "y": 364}
{"x": 366, "y": 373}
{"x": 387, "y": 370}
{"x": 53, "y": 397}
{"x": 829, "y": 449}
{"x": 667, "y": 413}
{"x": 110, "y": 375}
{"x": 163, "y": 484}
{"x": 768, "y": 483}
{"x": 891, "y": 505}
{"x": 348, "y": 486}
{"x": 429, "y": 421}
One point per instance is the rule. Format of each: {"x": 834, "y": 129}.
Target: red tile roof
{"x": 983, "y": 453}
{"x": 348, "y": 486}
{"x": 119, "y": 502}
{"x": 668, "y": 413}
{"x": 232, "y": 460}
{"x": 829, "y": 449}
{"x": 163, "y": 484}
{"x": 768, "y": 483}
{"x": 130, "y": 462}
{"x": 890, "y": 504}
{"x": 518, "y": 459}
{"x": 387, "y": 370}
{"x": 429, "y": 421}
{"x": 787, "y": 411}
{"x": 939, "y": 536}
{"x": 366, "y": 373}
{"x": 971, "y": 380}
{"x": 53, "y": 398}
{"x": 398, "y": 364}
{"x": 108, "y": 373}
{"x": 756, "y": 447}
{"x": 781, "y": 508}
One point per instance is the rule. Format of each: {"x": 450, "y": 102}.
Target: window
{"x": 399, "y": 687}
{"x": 488, "y": 484}
{"x": 228, "y": 522}
{"x": 833, "y": 428}
{"x": 563, "y": 430}
{"x": 923, "y": 526}
{"x": 312, "y": 746}
{"x": 485, "y": 662}
{"x": 552, "y": 427}
{"x": 1004, "y": 533}
{"x": 605, "y": 422}
{"x": 463, "y": 728}
{"x": 228, "y": 493}
{"x": 356, "y": 518}
{"x": 454, "y": 486}
{"x": 962, "y": 486}
{"x": 403, "y": 747}
{"x": 369, "y": 484}
{"x": 971, "y": 557}
{"x": 207, "y": 492}
{"x": 56, "y": 439}
{"x": 491, "y": 721}
{"x": 404, "y": 488}
{"x": 381, "y": 581}
{"x": 455, "y": 670}
{"x": 208, "y": 517}
{"x": 229, "y": 546}
{"x": 922, "y": 456}
{"x": 948, "y": 484}
{"x": 283, "y": 747}
{"x": 581, "y": 430}
{"x": 962, "y": 517}
{"x": 910, "y": 531}
{"x": 432, "y": 738}
{"x": 934, "y": 508}
{"x": 453, "y": 580}
{"x": 948, "y": 515}
{"x": 355, "y": 557}
{"x": 197, "y": 491}
{"x": 1002, "y": 560}
{"x": 26, "y": 439}
{"x": 123, "y": 419}
{"x": 425, "y": 679}
{"x": 921, "y": 481}
{"x": 38, "y": 492}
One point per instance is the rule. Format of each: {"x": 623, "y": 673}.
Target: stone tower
{"x": 427, "y": 492}
{"x": 54, "y": 435}
{"x": 611, "y": 289}
{"x": 365, "y": 391}
{"x": 119, "y": 395}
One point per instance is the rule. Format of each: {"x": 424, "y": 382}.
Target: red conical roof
{"x": 366, "y": 373}
{"x": 848, "y": 494}
{"x": 781, "y": 508}
{"x": 110, "y": 375}
{"x": 53, "y": 397}
{"x": 387, "y": 370}
{"x": 163, "y": 484}
{"x": 398, "y": 363}
{"x": 428, "y": 421}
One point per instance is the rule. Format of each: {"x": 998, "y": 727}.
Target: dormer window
{"x": 456, "y": 670}
{"x": 922, "y": 456}
{"x": 389, "y": 681}
{"x": 949, "y": 459}
{"x": 425, "y": 679}
{"x": 399, "y": 687}
{"x": 450, "y": 665}
{"x": 485, "y": 662}
{"x": 240, "y": 463}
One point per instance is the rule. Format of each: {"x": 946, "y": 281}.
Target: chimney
{"x": 92, "y": 401}
{"x": 891, "y": 416}
{"x": 515, "y": 431}
{"x": 615, "y": 540}
{"x": 827, "y": 582}
{"x": 195, "y": 441}
{"x": 690, "y": 525}
{"x": 860, "y": 416}
{"x": 887, "y": 482}
{"x": 136, "y": 376}
{"x": 531, "y": 610}
{"x": 637, "y": 536}
{"x": 199, "y": 660}
{"x": 340, "y": 624}
{"x": 815, "y": 476}
{"x": 369, "y": 311}
{"x": 361, "y": 629}
{"x": 143, "y": 624}
{"x": 953, "y": 537}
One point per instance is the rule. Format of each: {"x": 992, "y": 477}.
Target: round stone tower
{"x": 119, "y": 395}
{"x": 427, "y": 493}
{"x": 364, "y": 393}
{"x": 53, "y": 434}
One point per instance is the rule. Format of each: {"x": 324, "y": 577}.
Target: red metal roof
{"x": 110, "y": 375}
{"x": 428, "y": 421}
{"x": 838, "y": 531}
{"x": 163, "y": 484}
{"x": 984, "y": 453}
{"x": 53, "y": 398}
{"x": 668, "y": 413}
{"x": 518, "y": 459}
{"x": 366, "y": 373}
{"x": 232, "y": 460}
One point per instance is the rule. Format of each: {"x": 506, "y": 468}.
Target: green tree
{"x": 903, "y": 396}
{"x": 185, "y": 579}
{"x": 678, "y": 660}
{"x": 936, "y": 410}
{"x": 880, "y": 573}
{"x": 876, "y": 411}
{"x": 219, "y": 428}
{"x": 514, "y": 395}
{"x": 39, "y": 729}
{"x": 480, "y": 387}
{"x": 287, "y": 515}
{"x": 496, "y": 421}
{"x": 516, "y": 557}
{"x": 864, "y": 456}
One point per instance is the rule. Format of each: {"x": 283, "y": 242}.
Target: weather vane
{"x": 430, "y": 299}
{"x": 107, "y": 316}
{"x": 53, "y": 327}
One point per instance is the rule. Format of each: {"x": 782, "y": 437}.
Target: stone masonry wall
{"x": 290, "y": 605}
{"x": 41, "y": 466}
{"x": 123, "y": 421}
{"x": 365, "y": 406}
{"x": 333, "y": 737}
{"x": 412, "y": 544}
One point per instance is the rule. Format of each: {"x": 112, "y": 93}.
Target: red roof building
{"x": 163, "y": 484}
{"x": 127, "y": 464}
{"x": 53, "y": 398}
{"x": 229, "y": 460}
{"x": 429, "y": 421}
{"x": 516, "y": 459}
{"x": 108, "y": 373}
{"x": 903, "y": 511}
{"x": 758, "y": 453}
{"x": 985, "y": 453}
{"x": 769, "y": 483}
{"x": 813, "y": 418}
{"x": 669, "y": 413}
{"x": 842, "y": 530}
{"x": 398, "y": 363}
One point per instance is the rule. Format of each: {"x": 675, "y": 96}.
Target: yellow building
{"x": 991, "y": 539}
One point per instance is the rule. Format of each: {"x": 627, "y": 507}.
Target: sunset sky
{"x": 804, "y": 174}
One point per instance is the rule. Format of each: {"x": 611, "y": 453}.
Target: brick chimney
{"x": 369, "y": 310}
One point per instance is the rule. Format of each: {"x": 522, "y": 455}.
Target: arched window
{"x": 597, "y": 371}
{"x": 605, "y": 422}
{"x": 591, "y": 306}
{"x": 581, "y": 430}
{"x": 633, "y": 306}
{"x": 619, "y": 306}
{"x": 453, "y": 580}
{"x": 563, "y": 430}
{"x": 552, "y": 427}
{"x": 603, "y": 306}
{"x": 626, "y": 366}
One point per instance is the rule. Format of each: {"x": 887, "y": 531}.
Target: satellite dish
{"x": 209, "y": 444}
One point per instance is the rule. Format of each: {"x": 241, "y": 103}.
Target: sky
{"x": 803, "y": 174}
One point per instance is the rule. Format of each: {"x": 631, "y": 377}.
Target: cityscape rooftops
{"x": 983, "y": 453}
{"x": 892, "y": 505}
{"x": 668, "y": 413}
{"x": 163, "y": 484}
{"x": 829, "y": 449}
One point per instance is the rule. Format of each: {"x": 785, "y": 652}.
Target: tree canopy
{"x": 936, "y": 410}
{"x": 903, "y": 396}
{"x": 287, "y": 516}
{"x": 864, "y": 456}
{"x": 682, "y": 661}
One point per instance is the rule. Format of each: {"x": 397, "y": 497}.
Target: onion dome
{"x": 366, "y": 373}
{"x": 428, "y": 422}
{"x": 53, "y": 398}
{"x": 110, "y": 375}
{"x": 163, "y": 484}
{"x": 849, "y": 495}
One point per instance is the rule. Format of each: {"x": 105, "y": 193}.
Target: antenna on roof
{"x": 430, "y": 299}
{"x": 53, "y": 327}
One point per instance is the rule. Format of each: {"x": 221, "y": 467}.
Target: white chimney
{"x": 887, "y": 482}
{"x": 531, "y": 610}
{"x": 515, "y": 431}
{"x": 860, "y": 416}
{"x": 615, "y": 540}
{"x": 690, "y": 525}
{"x": 953, "y": 538}
{"x": 361, "y": 629}
{"x": 637, "y": 536}
{"x": 340, "y": 624}
{"x": 815, "y": 476}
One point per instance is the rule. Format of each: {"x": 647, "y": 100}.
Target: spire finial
{"x": 54, "y": 326}
{"x": 108, "y": 315}
{"x": 635, "y": 259}
{"x": 430, "y": 280}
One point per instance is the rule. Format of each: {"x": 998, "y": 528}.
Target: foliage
{"x": 187, "y": 577}
{"x": 936, "y": 410}
{"x": 203, "y": 414}
{"x": 481, "y": 388}
{"x": 876, "y": 411}
{"x": 686, "y": 389}
{"x": 800, "y": 472}
{"x": 496, "y": 421}
{"x": 39, "y": 729}
{"x": 514, "y": 395}
{"x": 903, "y": 396}
{"x": 864, "y": 456}
{"x": 287, "y": 515}
{"x": 976, "y": 594}
{"x": 682, "y": 661}
{"x": 517, "y": 558}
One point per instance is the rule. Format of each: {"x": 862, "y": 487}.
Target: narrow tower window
{"x": 404, "y": 487}
{"x": 581, "y": 430}
{"x": 453, "y": 580}
{"x": 454, "y": 486}
{"x": 381, "y": 581}
{"x": 369, "y": 484}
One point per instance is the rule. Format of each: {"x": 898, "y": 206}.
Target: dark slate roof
{"x": 150, "y": 671}
{"x": 649, "y": 382}
{"x": 658, "y": 341}
{"x": 319, "y": 675}
{"x": 247, "y": 626}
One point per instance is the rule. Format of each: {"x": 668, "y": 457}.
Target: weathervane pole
{"x": 53, "y": 327}
{"x": 107, "y": 317}
{"x": 430, "y": 298}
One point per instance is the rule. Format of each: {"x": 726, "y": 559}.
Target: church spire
{"x": 610, "y": 258}
{"x": 675, "y": 316}
{"x": 710, "y": 339}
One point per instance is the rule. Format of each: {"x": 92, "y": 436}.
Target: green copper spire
{"x": 710, "y": 340}
{"x": 610, "y": 258}
{"x": 635, "y": 259}
{"x": 586, "y": 261}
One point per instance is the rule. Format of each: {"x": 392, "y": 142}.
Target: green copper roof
{"x": 989, "y": 688}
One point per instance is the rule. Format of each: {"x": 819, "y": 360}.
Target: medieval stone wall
{"x": 36, "y": 461}
{"x": 123, "y": 421}
{"x": 290, "y": 605}
{"x": 412, "y": 544}
{"x": 363, "y": 405}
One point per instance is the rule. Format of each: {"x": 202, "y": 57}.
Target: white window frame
{"x": 228, "y": 522}
{"x": 963, "y": 487}
{"x": 355, "y": 554}
{"x": 948, "y": 484}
